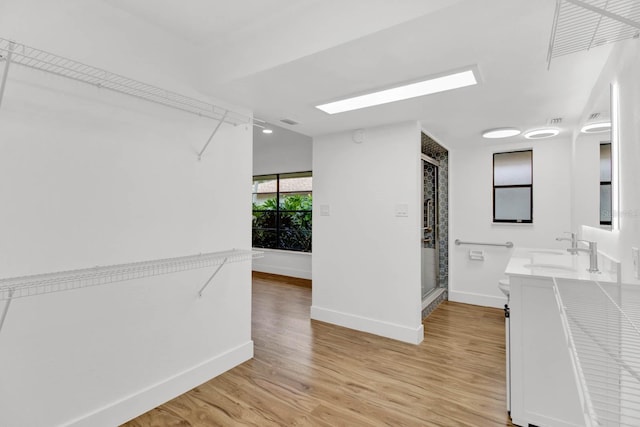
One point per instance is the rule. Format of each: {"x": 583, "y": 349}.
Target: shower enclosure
{"x": 434, "y": 233}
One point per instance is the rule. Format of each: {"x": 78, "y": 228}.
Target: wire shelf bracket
{"x": 5, "y": 73}
{"x": 27, "y": 286}
{"x": 224, "y": 261}
{"x": 212, "y": 135}
{"x": 580, "y": 25}
{"x": 5, "y": 310}
{"x": 15, "y": 53}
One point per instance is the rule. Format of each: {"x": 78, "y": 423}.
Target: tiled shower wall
{"x": 430, "y": 181}
{"x": 432, "y": 149}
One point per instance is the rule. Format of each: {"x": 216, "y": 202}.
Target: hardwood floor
{"x": 308, "y": 373}
{"x": 268, "y": 277}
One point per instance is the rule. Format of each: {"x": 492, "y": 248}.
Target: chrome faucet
{"x": 573, "y": 240}
{"x": 593, "y": 255}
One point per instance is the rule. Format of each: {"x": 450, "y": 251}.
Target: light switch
{"x": 402, "y": 210}
{"x": 325, "y": 210}
{"x": 635, "y": 259}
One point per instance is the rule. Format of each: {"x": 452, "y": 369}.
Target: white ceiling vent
{"x": 584, "y": 24}
{"x": 593, "y": 116}
{"x": 289, "y": 122}
{"x": 555, "y": 121}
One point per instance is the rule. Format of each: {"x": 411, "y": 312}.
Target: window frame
{"x": 278, "y": 211}
{"x": 530, "y": 186}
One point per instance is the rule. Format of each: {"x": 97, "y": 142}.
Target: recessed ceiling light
{"x": 541, "y": 133}
{"x": 400, "y": 93}
{"x": 267, "y": 131}
{"x": 500, "y": 133}
{"x": 596, "y": 127}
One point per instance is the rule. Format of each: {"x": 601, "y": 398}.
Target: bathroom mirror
{"x": 596, "y": 163}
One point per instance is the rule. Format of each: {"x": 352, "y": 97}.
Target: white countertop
{"x": 542, "y": 262}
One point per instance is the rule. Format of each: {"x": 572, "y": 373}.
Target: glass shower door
{"x": 429, "y": 229}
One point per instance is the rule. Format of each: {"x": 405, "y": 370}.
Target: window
{"x": 513, "y": 187}
{"x": 605, "y": 184}
{"x": 282, "y": 211}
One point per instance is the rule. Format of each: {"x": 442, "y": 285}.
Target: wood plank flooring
{"x": 268, "y": 277}
{"x": 308, "y": 373}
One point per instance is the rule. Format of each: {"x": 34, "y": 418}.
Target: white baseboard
{"x": 284, "y": 263}
{"x": 531, "y": 417}
{"x": 477, "y": 299}
{"x": 372, "y": 326}
{"x": 129, "y": 407}
{"x": 283, "y": 271}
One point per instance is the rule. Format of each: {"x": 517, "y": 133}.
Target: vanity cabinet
{"x": 543, "y": 390}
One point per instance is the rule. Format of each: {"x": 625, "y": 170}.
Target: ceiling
{"x": 283, "y": 57}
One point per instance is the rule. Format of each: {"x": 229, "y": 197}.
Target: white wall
{"x": 87, "y": 178}
{"x": 622, "y": 68}
{"x": 366, "y": 260}
{"x": 93, "y": 32}
{"x": 281, "y": 152}
{"x": 471, "y": 215}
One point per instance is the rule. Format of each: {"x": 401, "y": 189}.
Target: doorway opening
{"x": 435, "y": 227}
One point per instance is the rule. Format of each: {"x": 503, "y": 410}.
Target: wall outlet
{"x": 325, "y": 210}
{"x": 635, "y": 259}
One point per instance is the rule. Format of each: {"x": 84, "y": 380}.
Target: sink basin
{"x": 546, "y": 252}
{"x": 549, "y": 267}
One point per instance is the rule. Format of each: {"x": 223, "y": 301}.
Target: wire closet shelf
{"x": 602, "y": 326}
{"x": 581, "y": 25}
{"x": 25, "y": 286}
{"x": 16, "y": 53}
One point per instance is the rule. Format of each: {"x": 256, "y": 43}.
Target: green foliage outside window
{"x": 286, "y": 225}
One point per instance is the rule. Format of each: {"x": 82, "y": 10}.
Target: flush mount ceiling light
{"x": 596, "y": 127}
{"x": 400, "y": 93}
{"x": 541, "y": 133}
{"x": 500, "y": 133}
{"x": 262, "y": 125}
